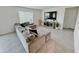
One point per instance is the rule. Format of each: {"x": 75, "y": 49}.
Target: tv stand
{"x": 50, "y": 24}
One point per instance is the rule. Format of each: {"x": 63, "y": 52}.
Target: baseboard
{"x": 6, "y": 33}
{"x": 69, "y": 28}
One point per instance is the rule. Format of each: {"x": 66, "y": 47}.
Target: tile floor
{"x": 63, "y": 37}
{"x": 11, "y": 44}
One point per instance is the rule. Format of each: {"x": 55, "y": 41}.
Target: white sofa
{"x": 22, "y": 38}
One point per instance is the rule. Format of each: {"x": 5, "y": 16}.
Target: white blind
{"x": 25, "y": 16}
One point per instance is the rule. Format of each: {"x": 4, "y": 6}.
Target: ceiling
{"x": 46, "y": 7}
{"x": 40, "y": 7}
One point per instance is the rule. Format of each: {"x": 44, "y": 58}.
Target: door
{"x": 70, "y": 17}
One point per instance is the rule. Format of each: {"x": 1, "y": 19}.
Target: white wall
{"x": 9, "y": 16}
{"x": 60, "y": 14}
{"x": 76, "y": 34}
{"x": 37, "y": 16}
{"x": 70, "y": 17}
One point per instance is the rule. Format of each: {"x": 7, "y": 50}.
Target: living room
{"x": 63, "y": 34}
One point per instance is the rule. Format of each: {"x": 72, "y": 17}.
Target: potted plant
{"x": 57, "y": 25}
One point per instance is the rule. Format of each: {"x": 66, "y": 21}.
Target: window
{"x": 25, "y": 17}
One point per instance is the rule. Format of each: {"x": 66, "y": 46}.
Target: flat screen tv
{"x": 50, "y": 15}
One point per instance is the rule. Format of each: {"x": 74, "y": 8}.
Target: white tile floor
{"x": 64, "y": 37}
{"x": 11, "y": 44}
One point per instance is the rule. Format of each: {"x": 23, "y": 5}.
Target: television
{"x": 50, "y": 15}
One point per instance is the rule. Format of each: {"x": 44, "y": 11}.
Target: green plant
{"x": 57, "y": 24}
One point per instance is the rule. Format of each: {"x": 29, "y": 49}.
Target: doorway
{"x": 70, "y": 18}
